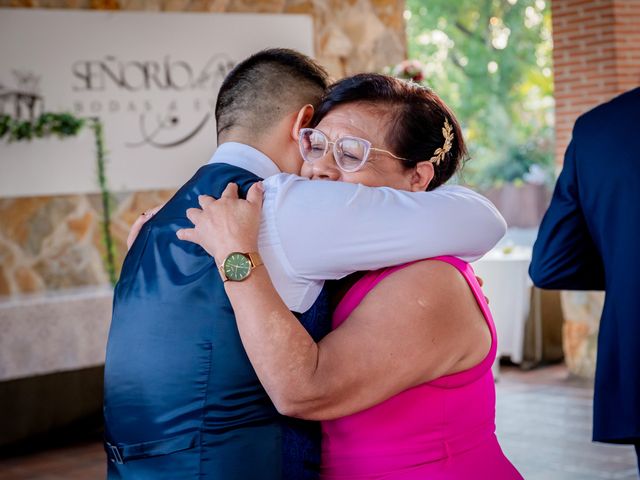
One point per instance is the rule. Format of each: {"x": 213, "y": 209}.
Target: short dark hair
{"x": 416, "y": 118}
{"x": 265, "y": 87}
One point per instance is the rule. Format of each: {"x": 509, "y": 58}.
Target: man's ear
{"x": 302, "y": 120}
{"x": 422, "y": 176}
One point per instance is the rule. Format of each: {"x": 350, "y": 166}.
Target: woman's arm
{"x": 395, "y": 340}
{"x": 392, "y": 341}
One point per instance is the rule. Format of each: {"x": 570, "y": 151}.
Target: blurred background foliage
{"x": 491, "y": 61}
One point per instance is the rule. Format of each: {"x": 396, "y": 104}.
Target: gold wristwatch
{"x": 238, "y": 266}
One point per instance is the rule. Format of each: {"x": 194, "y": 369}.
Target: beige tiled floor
{"x": 544, "y": 426}
{"x": 84, "y": 461}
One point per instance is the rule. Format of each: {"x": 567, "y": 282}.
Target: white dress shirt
{"x": 312, "y": 231}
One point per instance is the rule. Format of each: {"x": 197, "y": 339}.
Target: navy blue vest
{"x": 181, "y": 398}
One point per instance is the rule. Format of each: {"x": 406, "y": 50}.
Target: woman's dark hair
{"x": 416, "y": 119}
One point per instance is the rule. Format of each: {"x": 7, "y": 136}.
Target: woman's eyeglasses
{"x": 350, "y": 153}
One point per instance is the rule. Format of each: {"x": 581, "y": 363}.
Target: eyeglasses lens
{"x": 351, "y": 153}
{"x": 313, "y": 145}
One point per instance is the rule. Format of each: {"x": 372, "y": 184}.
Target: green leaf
{"x": 506, "y": 116}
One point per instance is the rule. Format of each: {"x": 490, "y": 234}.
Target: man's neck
{"x": 245, "y": 156}
{"x": 247, "y": 142}
{"x": 267, "y": 147}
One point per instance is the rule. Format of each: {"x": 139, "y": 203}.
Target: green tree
{"x": 490, "y": 60}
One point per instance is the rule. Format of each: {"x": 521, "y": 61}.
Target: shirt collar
{"x": 244, "y": 156}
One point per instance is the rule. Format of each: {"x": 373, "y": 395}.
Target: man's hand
{"x": 140, "y": 221}
{"x": 228, "y": 224}
{"x": 481, "y": 283}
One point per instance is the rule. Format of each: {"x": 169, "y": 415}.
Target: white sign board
{"x": 152, "y": 78}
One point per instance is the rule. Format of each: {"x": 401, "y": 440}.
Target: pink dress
{"x": 440, "y": 430}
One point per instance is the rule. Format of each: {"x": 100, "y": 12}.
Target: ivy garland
{"x": 60, "y": 125}
{"x": 63, "y": 125}
{"x": 107, "y": 199}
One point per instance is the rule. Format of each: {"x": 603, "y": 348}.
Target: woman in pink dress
{"x": 403, "y": 384}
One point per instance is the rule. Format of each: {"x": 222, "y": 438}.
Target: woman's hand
{"x": 226, "y": 225}
{"x": 140, "y": 221}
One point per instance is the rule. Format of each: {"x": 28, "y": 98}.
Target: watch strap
{"x": 256, "y": 259}
{"x": 223, "y": 275}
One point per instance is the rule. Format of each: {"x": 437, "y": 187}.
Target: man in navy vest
{"x": 181, "y": 398}
{"x": 588, "y": 240}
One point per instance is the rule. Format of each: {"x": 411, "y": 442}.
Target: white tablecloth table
{"x": 508, "y": 287}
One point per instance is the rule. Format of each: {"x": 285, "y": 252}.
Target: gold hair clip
{"x": 447, "y": 133}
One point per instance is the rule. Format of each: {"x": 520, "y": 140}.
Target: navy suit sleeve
{"x": 564, "y": 255}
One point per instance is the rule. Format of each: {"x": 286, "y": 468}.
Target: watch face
{"x": 237, "y": 267}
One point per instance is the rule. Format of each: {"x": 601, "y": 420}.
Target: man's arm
{"x": 313, "y": 231}
{"x": 328, "y": 230}
{"x": 564, "y": 255}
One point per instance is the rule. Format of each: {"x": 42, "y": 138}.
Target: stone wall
{"x": 55, "y": 242}
{"x": 582, "y": 311}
